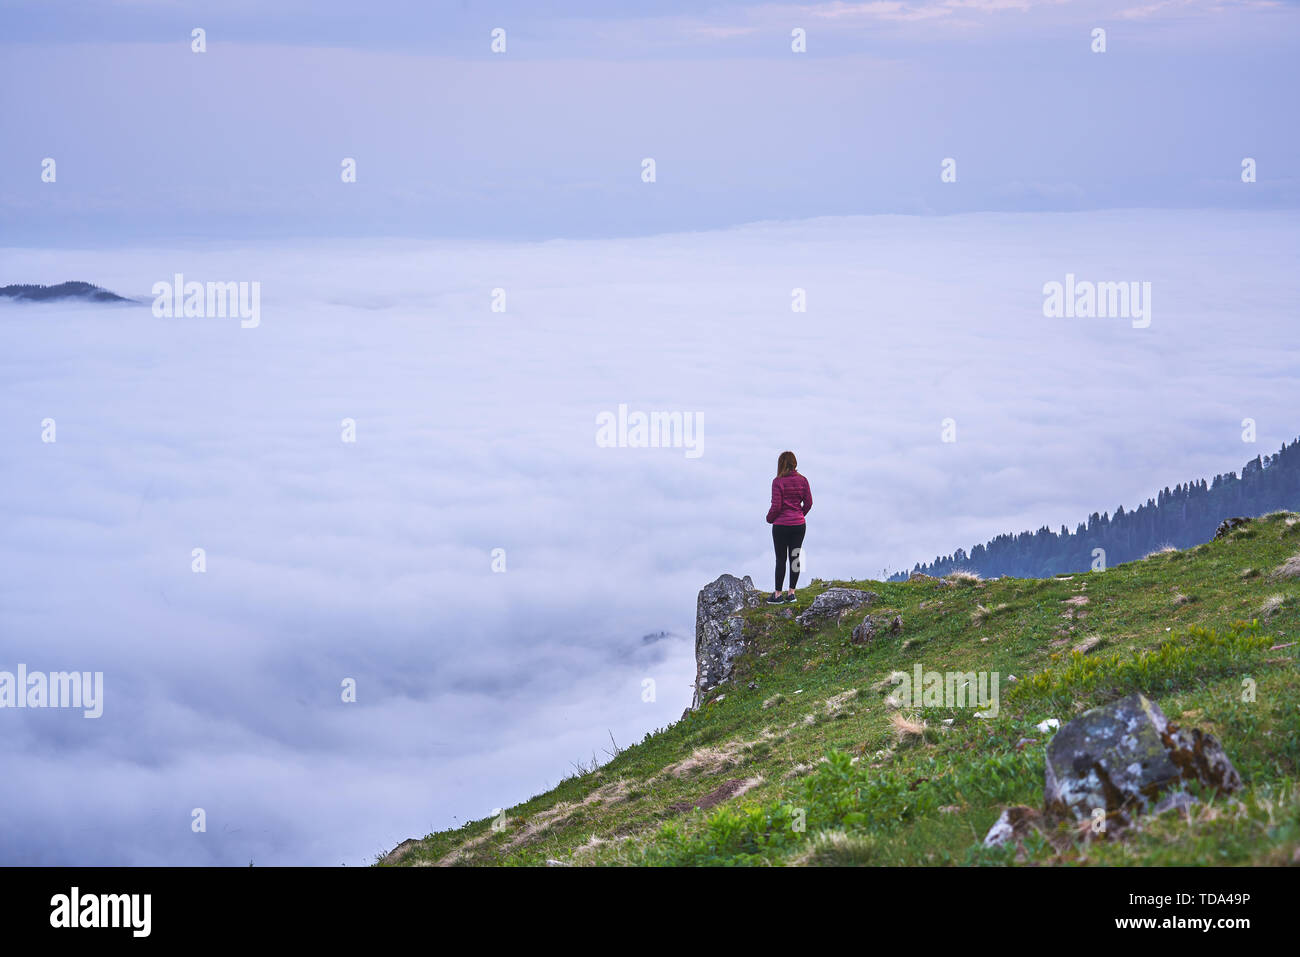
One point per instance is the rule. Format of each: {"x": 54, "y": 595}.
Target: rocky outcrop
{"x": 720, "y": 630}
{"x": 400, "y": 851}
{"x": 834, "y": 603}
{"x": 1120, "y": 758}
{"x": 1228, "y": 524}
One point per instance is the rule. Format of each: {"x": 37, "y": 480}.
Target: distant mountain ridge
{"x": 1184, "y": 516}
{"x": 30, "y": 292}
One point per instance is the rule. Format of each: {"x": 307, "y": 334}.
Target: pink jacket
{"x": 791, "y": 500}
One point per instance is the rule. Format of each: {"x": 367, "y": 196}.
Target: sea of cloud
{"x": 475, "y": 430}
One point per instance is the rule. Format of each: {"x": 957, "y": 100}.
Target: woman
{"x": 791, "y": 501}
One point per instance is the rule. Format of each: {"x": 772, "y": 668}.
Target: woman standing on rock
{"x": 791, "y": 501}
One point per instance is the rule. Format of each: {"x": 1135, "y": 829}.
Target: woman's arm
{"x": 807, "y": 497}
{"x": 776, "y": 502}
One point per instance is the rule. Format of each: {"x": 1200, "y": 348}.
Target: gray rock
{"x": 719, "y": 630}
{"x": 1121, "y": 756}
{"x": 834, "y": 603}
{"x": 864, "y": 633}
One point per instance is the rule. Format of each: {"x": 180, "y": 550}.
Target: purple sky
{"x": 154, "y": 142}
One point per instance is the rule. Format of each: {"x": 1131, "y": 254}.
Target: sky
{"x": 154, "y": 142}
{"x": 483, "y": 676}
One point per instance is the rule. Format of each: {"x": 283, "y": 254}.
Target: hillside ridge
{"x": 806, "y": 752}
{"x": 33, "y": 292}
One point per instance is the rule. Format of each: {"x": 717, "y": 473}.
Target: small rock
{"x": 834, "y": 603}
{"x": 864, "y": 633}
{"x": 1012, "y": 825}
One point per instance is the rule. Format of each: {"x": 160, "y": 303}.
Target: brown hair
{"x": 786, "y": 463}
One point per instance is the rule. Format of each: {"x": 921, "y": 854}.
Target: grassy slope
{"x": 1166, "y": 627}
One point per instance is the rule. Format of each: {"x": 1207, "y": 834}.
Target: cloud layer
{"x": 372, "y": 560}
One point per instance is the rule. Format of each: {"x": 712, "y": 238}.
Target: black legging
{"x": 788, "y": 542}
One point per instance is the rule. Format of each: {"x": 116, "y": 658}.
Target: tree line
{"x": 1183, "y": 516}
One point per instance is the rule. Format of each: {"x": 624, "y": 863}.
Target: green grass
{"x": 836, "y": 784}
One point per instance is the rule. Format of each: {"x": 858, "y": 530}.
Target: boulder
{"x": 834, "y": 603}
{"x": 1121, "y": 756}
{"x": 719, "y": 630}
